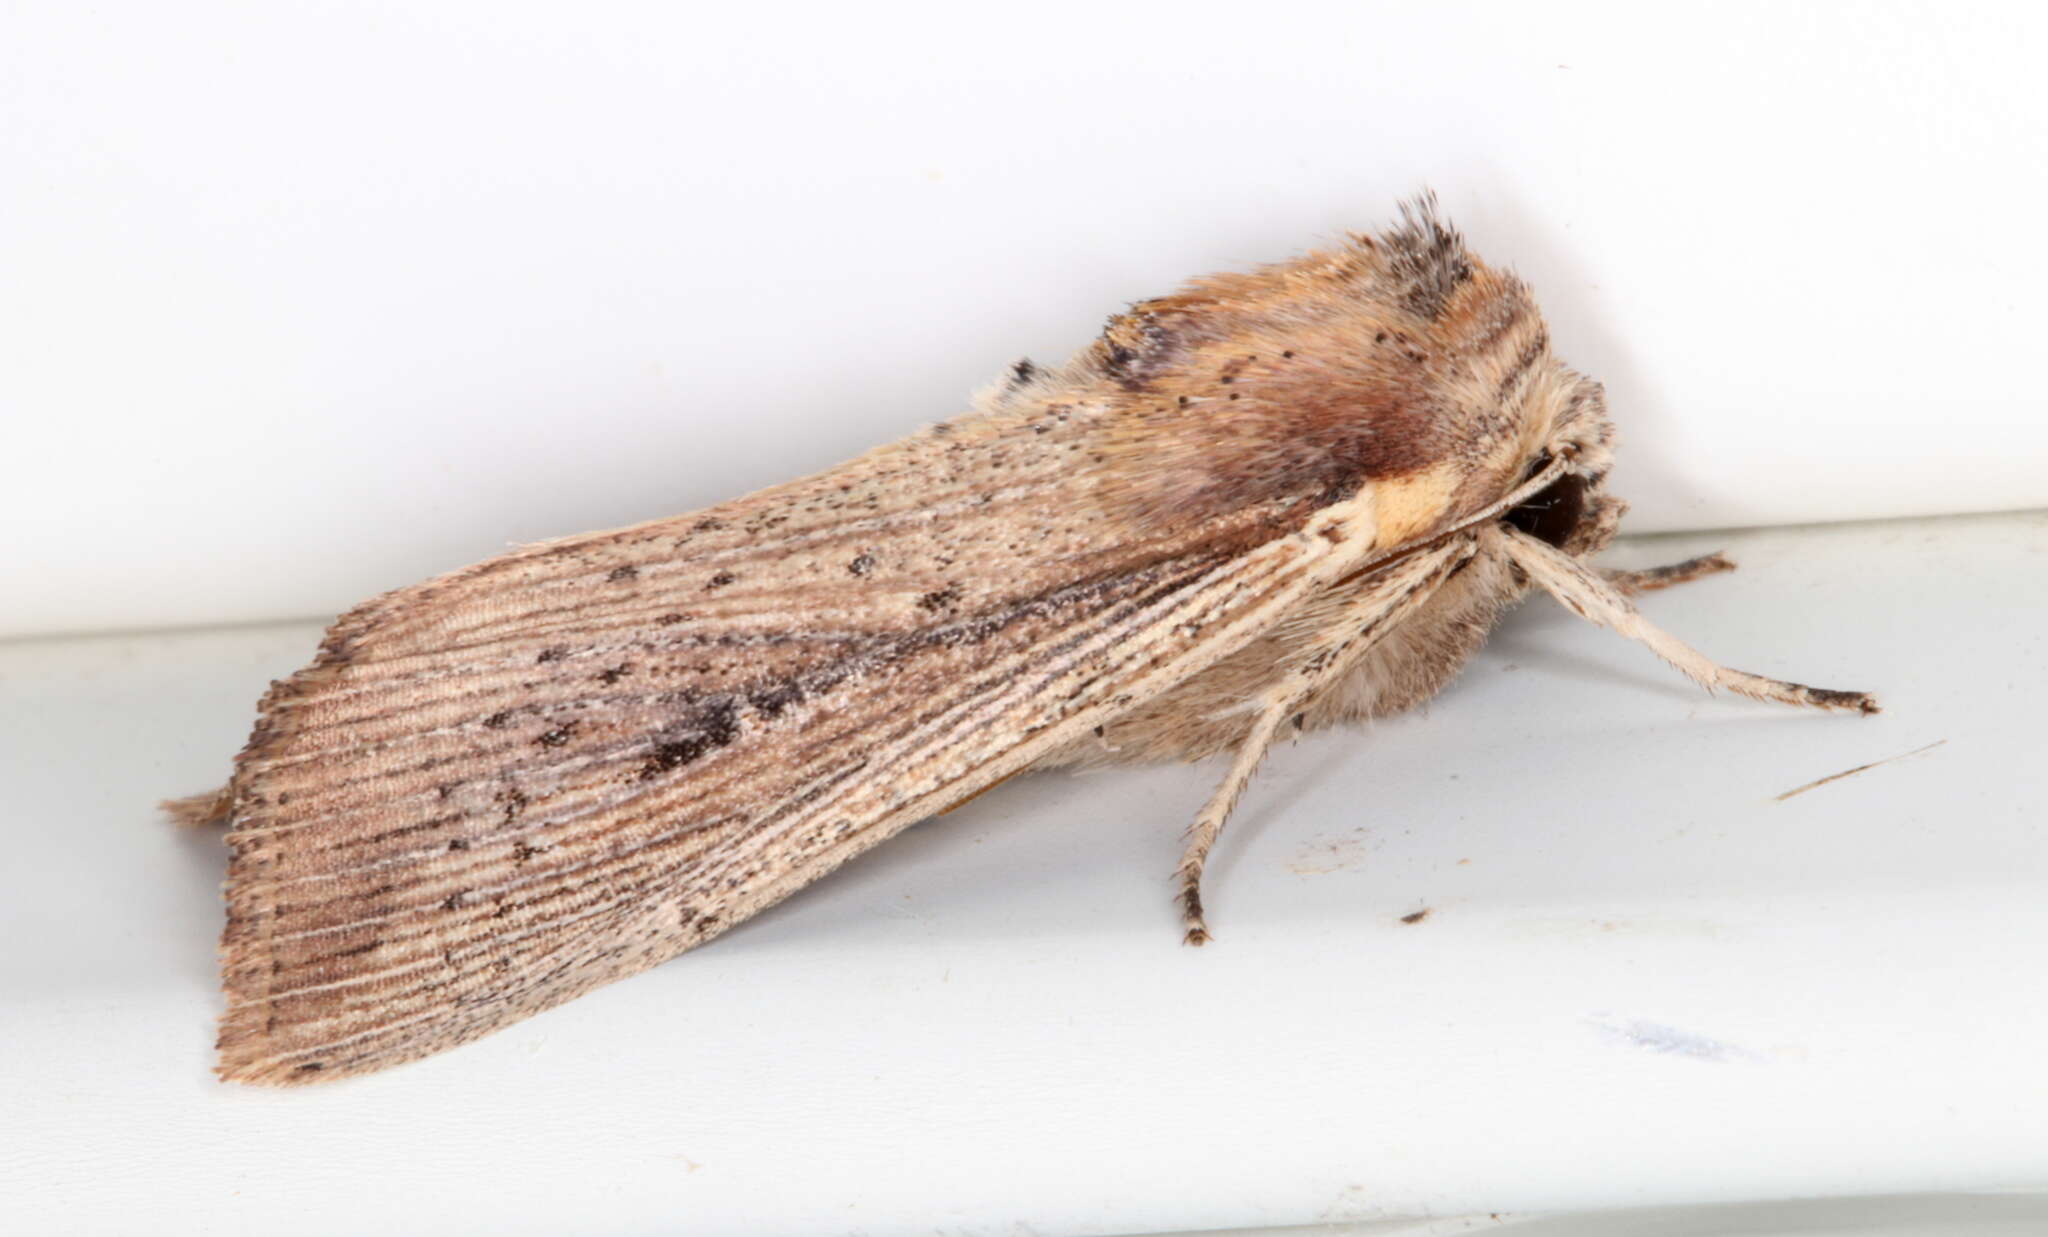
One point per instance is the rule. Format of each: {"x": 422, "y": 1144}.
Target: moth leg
{"x": 1209, "y": 825}
{"x": 1629, "y": 583}
{"x": 193, "y": 811}
{"x": 1323, "y": 658}
{"x": 1581, "y": 590}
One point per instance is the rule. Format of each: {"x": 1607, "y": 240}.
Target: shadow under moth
{"x": 1271, "y": 501}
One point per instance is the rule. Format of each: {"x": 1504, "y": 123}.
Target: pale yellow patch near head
{"x": 1408, "y": 506}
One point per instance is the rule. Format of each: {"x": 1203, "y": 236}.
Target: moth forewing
{"x": 384, "y": 905}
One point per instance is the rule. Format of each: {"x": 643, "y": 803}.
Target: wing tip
{"x": 252, "y": 1050}
{"x": 249, "y": 1049}
{"x": 197, "y": 811}
{"x": 260, "y": 1071}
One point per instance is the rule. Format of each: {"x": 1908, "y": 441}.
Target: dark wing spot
{"x": 708, "y": 729}
{"x": 862, "y": 564}
{"x": 556, "y": 653}
{"x": 772, "y": 701}
{"x": 621, "y": 574}
{"x": 720, "y": 580}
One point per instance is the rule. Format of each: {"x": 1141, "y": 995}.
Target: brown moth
{"x": 1286, "y": 498}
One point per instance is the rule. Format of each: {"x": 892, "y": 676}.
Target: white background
{"x": 299, "y": 302}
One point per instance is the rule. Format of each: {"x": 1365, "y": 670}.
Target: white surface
{"x": 306, "y": 301}
{"x": 1642, "y": 982}
{"x": 2020, "y": 1214}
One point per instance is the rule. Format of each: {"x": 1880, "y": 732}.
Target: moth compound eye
{"x": 1553, "y": 514}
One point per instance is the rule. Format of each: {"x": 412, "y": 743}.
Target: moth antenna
{"x": 1581, "y": 590}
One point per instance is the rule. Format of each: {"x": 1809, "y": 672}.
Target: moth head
{"x": 1575, "y": 513}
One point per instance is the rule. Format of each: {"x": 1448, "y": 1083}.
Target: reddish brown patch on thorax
{"x": 1222, "y": 404}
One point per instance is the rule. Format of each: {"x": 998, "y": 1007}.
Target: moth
{"x": 1272, "y": 501}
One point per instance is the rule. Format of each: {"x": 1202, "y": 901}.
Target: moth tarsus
{"x": 1631, "y": 583}
{"x": 1289, "y": 497}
